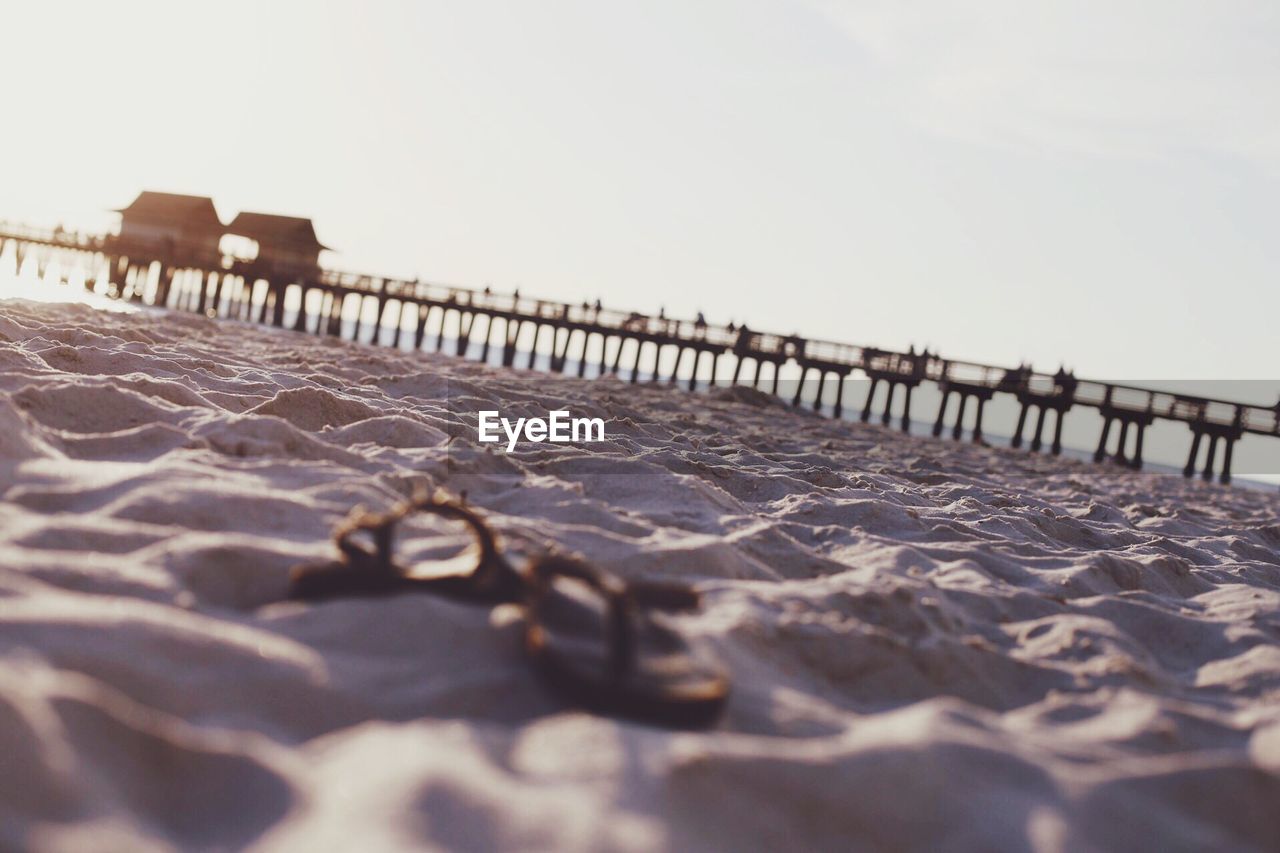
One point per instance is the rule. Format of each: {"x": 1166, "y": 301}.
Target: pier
{"x": 568, "y": 338}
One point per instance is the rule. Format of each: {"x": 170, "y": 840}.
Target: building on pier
{"x": 286, "y": 245}
{"x": 185, "y": 228}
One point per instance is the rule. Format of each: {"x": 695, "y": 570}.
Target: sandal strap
{"x": 381, "y": 528}
{"x": 494, "y": 577}
{"x": 622, "y": 599}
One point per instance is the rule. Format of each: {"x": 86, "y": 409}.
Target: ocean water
{"x": 58, "y": 284}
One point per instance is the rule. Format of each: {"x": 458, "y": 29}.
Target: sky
{"x": 1094, "y": 183}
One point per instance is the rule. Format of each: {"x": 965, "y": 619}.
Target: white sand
{"x": 935, "y": 646}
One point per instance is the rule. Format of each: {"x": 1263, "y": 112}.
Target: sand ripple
{"x": 936, "y": 646}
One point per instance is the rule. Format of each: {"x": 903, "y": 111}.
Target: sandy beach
{"x": 933, "y": 645}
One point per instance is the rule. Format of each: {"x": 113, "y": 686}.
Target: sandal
{"x": 604, "y": 651}
{"x": 362, "y": 571}
{"x": 597, "y": 644}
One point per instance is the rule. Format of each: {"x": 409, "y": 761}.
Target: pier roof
{"x": 274, "y": 230}
{"x": 194, "y": 210}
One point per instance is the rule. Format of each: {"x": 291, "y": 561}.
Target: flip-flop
{"x": 603, "y": 650}
{"x": 365, "y": 571}
{"x": 600, "y": 648}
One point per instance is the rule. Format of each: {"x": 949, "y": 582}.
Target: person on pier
{"x": 635, "y": 322}
{"x": 1065, "y": 381}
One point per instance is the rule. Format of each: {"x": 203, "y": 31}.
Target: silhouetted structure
{"x": 287, "y": 245}
{"x": 185, "y": 228}
{"x": 413, "y": 312}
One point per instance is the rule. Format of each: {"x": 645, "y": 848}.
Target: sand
{"x": 934, "y": 645}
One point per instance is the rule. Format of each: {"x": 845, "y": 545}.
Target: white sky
{"x": 1094, "y": 182}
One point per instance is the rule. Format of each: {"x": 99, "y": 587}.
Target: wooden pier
{"x": 632, "y": 345}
